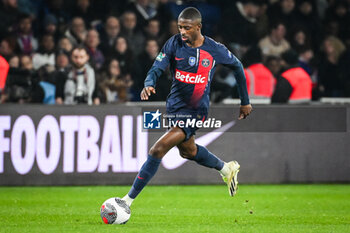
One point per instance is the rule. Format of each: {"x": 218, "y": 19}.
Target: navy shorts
{"x": 188, "y": 129}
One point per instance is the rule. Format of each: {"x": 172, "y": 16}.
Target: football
{"x": 115, "y": 211}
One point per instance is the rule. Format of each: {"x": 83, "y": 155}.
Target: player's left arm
{"x": 225, "y": 57}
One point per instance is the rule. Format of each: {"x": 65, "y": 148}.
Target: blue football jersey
{"x": 192, "y": 70}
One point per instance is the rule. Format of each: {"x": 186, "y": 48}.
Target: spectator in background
{"x": 26, "y": 62}
{"x": 275, "y": 43}
{"x": 260, "y": 80}
{"x": 273, "y": 63}
{"x": 300, "y": 39}
{"x": 55, "y": 8}
{"x": 27, "y": 43}
{"x": 76, "y": 33}
{"x": 338, "y": 19}
{"x": 132, "y": 34}
{"x": 123, "y": 54}
{"x": 83, "y": 9}
{"x": 80, "y": 83}
{"x": 62, "y": 62}
{"x": 91, "y": 42}
{"x": 8, "y": 46}
{"x": 65, "y": 45}
{"x": 239, "y": 24}
{"x": 328, "y": 69}
{"x": 144, "y": 10}
{"x": 109, "y": 35}
{"x": 114, "y": 85}
{"x": 46, "y": 52}
{"x": 294, "y": 84}
{"x": 307, "y": 17}
{"x": 50, "y": 26}
{"x": 152, "y": 29}
{"x": 283, "y": 11}
{"x": 143, "y": 63}
{"x": 8, "y": 15}
{"x": 18, "y": 84}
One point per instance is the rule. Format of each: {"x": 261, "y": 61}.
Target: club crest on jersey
{"x": 192, "y": 61}
{"x": 205, "y": 62}
{"x": 160, "y": 56}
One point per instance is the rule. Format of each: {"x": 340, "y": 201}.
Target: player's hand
{"x": 244, "y": 111}
{"x": 146, "y": 92}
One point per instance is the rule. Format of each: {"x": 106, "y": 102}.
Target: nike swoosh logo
{"x": 141, "y": 178}
{"x": 173, "y": 159}
{"x": 179, "y": 59}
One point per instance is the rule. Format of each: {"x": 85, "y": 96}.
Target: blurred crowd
{"x": 99, "y": 51}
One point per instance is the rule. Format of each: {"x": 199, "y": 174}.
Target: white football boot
{"x": 231, "y": 178}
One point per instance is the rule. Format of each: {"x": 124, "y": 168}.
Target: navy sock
{"x": 147, "y": 171}
{"x": 208, "y": 159}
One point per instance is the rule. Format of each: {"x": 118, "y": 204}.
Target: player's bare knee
{"x": 157, "y": 151}
{"x": 187, "y": 154}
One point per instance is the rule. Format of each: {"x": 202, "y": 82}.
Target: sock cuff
{"x": 153, "y": 159}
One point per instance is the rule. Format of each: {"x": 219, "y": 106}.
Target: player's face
{"x": 189, "y": 30}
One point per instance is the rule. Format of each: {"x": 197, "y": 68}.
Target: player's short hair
{"x": 191, "y": 13}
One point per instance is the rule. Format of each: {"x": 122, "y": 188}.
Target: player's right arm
{"x": 160, "y": 64}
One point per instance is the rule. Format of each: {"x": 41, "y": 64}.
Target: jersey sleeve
{"x": 225, "y": 57}
{"x": 166, "y": 54}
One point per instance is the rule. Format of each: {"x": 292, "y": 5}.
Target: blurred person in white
{"x": 76, "y": 32}
{"x": 114, "y": 85}
{"x": 275, "y": 43}
{"x": 109, "y": 34}
{"x": 132, "y": 34}
{"x": 80, "y": 84}
{"x": 46, "y": 52}
{"x": 91, "y": 42}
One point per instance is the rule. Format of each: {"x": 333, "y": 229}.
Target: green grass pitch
{"x": 256, "y": 208}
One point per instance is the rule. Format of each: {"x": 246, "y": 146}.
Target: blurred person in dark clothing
{"x": 283, "y": 11}
{"x": 300, "y": 38}
{"x": 123, "y": 54}
{"x": 308, "y": 18}
{"x": 294, "y": 84}
{"x": 273, "y": 63}
{"x": 338, "y": 18}
{"x": 113, "y": 84}
{"x": 109, "y": 34}
{"x": 55, "y": 8}
{"x": 8, "y": 16}
{"x": 84, "y": 9}
{"x": 91, "y": 42}
{"x": 144, "y": 11}
{"x": 50, "y": 27}
{"x": 18, "y": 85}
{"x": 143, "y": 63}
{"x": 27, "y": 43}
{"x": 328, "y": 67}
{"x": 133, "y": 35}
{"x": 239, "y": 24}
{"x": 76, "y": 32}
{"x": 8, "y": 47}
{"x": 152, "y": 29}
